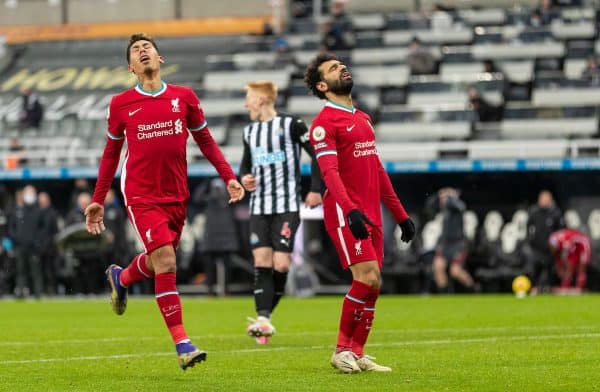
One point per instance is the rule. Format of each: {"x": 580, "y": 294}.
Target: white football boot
{"x": 366, "y": 364}
{"x": 345, "y": 362}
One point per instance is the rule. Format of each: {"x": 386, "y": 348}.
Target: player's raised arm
{"x": 94, "y": 213}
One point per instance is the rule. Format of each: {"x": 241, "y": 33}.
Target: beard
{"x": 341, "y": 86}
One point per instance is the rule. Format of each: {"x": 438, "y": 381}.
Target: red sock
{"x": 136, "y": 271}
{"x": 361, "y": 333}
{"x": 169, "y": 304}
{"x": 352, "y": 309}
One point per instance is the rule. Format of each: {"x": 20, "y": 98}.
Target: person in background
{"x": 591, "y": 72}
{"x": 26, "y": 229}
{"x": 451, "y": 250}
{"x": 419, "y": 59}
{"x": 338, "y": 31}
{"x": 48, "y": 250}
{"x": 220, "y": 240}
{"x": 544, "y": 218}
{"x": 486, "y": 112}
{"x": 572, "y": 256}
{"x": 32, "y": 111}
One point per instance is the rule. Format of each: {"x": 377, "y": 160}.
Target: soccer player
{"x": 572, "y": 255}
{"x": 270, "y": 169}
{"x": 154, "y": 118}
{"x": 344, "y": 143}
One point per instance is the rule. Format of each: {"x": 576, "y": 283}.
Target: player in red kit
{"x": 572, "y": 255}
{"x": 154, "y": 118}
{"x": 344, "y": 143}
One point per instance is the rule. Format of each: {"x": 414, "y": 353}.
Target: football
{"x": 521, "y": 285}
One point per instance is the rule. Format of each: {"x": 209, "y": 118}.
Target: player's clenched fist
{"x": 249, "y": 182}
{"x": 236, "y": 191}
{"x": 94, "y": 219}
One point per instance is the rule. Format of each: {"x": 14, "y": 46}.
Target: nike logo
{"x": 350, "y": 128}
{"x": 134, "y": 112}
{"x": 172, "y": 313}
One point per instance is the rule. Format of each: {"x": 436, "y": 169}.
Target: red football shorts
{"x": 352, "y": 251}
{"x": 158, "y": 224}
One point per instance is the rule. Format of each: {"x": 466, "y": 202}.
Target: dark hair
{"x": 312, "y": 75}
{"x": 139, "y": 37}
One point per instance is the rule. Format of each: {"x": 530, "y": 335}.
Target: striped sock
{"x": 169, "y": 304}
{"x": 352, "y": 309}
{"x": 361, "y": 333}
{"x": 136, "y": 271}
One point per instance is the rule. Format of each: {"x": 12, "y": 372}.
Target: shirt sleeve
{"x": 116, "y": 126}
{"x": 111, "y": 155}
{"x": 195, "y": 115}
{"x": 323, "y": 141}
{"x": 246, "y": 164}
{"x": 301, "y": 136}
{"x": 389, "y": 197}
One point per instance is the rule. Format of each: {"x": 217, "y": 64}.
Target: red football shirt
{"x": 344, "y": 143}
{"x": 571, "y": 245}
{"x": 155, "y": 126}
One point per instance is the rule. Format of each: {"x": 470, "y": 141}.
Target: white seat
{"x": 368, "y": 21}
{"x": 489, "y": 16}
{"x": 574, "y": 68}
{"x": 517, "y": 71}
{"x": 378, "y": 55}
{"x": 566, "y": 96}
{"x": 302, "y": 105}
{"x": 581, "y": 30}
{"x": 520, "y": 218}
{"x": 594, "y": 224}
{"x": 235, "y": 81}
{"x": 492, "y": 224}
{"x": 506, "y": 149}
{"x": 509, "y": 238}
{"x": 518, "y": 50}
{"x": 458, "y": 72}
{"x": 470, "y": 222}
{"x": 554, "y": 127}
{"x": 396, "y": 131}
{"x": 223, "y": 106}
{"x": 430, "y": 234}
{"x": 381, "y": 75}
{"x": 572, "y": 219}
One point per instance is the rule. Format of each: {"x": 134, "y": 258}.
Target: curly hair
{"x": 312, "y": 75}
{"x": 138, "y": 37}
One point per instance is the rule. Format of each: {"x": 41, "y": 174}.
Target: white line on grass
{"x": 490, "y": 339}
{"x": 398, "y": 331}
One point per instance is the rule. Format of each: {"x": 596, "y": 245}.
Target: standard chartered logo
{"x": 159, "y": 129}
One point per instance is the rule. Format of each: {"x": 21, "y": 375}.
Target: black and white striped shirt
{"x": 272, "y": 156}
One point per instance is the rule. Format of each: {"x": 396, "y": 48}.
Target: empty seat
{"x": 219, "y": 81}
{"x": 542, "y": 128}
{"x": 391, "y": 131}
{"x": 381, "y": 76}
{"x": 563, "y": 96}
{"x": 508, "y": 149}
{"x": 519, "y": 50}
{"x": 573, "y": 68}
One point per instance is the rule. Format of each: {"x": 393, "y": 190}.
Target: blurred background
{"x": 497, "y": 101}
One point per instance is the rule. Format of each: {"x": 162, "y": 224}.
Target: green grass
{"x": 461, "y": 343}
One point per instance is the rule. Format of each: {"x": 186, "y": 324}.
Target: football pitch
{"x": 445, "y": 343}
